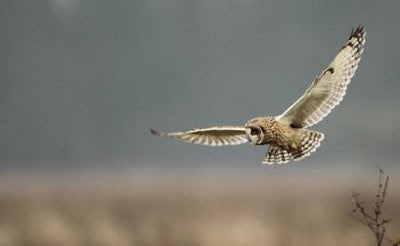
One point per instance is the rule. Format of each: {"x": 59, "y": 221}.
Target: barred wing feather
{"x": 214, "y": 136}
{"x": 328, "y": 89}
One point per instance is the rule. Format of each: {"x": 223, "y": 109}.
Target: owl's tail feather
{"x": 310, "y": 141}
{"x": 276, "y": 154}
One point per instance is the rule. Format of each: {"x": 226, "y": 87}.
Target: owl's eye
{"x": 254, "y": 131}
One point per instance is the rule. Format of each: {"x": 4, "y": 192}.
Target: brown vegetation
{"x": 210, "y": 215}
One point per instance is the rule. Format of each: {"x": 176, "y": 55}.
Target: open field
{"x": 187, "y": 215}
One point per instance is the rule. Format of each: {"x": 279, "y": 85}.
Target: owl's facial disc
{"x": 254, "y": 134}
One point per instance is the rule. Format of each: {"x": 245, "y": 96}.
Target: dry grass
{"x": 190, "y": 216}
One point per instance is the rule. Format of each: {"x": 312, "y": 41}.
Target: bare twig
{"x": 374, "y": 221}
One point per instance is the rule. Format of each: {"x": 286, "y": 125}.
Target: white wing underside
{"x": 328, "y": 89}
{"x": 213, "y": 136}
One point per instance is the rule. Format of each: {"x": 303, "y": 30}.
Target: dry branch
{"x": 374, "y": 219}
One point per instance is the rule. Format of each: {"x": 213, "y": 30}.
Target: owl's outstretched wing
{"x": 327, "y": 89}
{"x": 214, "y": 136}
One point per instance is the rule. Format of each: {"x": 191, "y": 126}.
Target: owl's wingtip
{"x": 359, "y": 32}
{"x": 155, "y": 132}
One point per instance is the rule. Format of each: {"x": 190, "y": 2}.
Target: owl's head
{"x": 254, "y": 133}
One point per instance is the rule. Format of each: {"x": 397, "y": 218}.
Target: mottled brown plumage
{"x": 286, "y": 143}
{"x": 286, "y": 134}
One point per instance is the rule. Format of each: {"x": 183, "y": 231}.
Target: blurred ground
{"x": 43, "y": 211}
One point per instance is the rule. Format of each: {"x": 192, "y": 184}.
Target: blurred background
{"x": 82, "y": 81}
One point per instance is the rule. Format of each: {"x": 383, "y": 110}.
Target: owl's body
{"x": 286, "y": 142}
{"x": 286, "y": 134}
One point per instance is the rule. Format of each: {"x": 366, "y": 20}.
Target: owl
{"x": 286, "y": 135}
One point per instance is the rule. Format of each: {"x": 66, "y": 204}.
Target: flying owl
{"x": 287, "y": 134}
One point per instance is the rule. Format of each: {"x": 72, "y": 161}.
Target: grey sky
{"x": 83, "y": 80}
